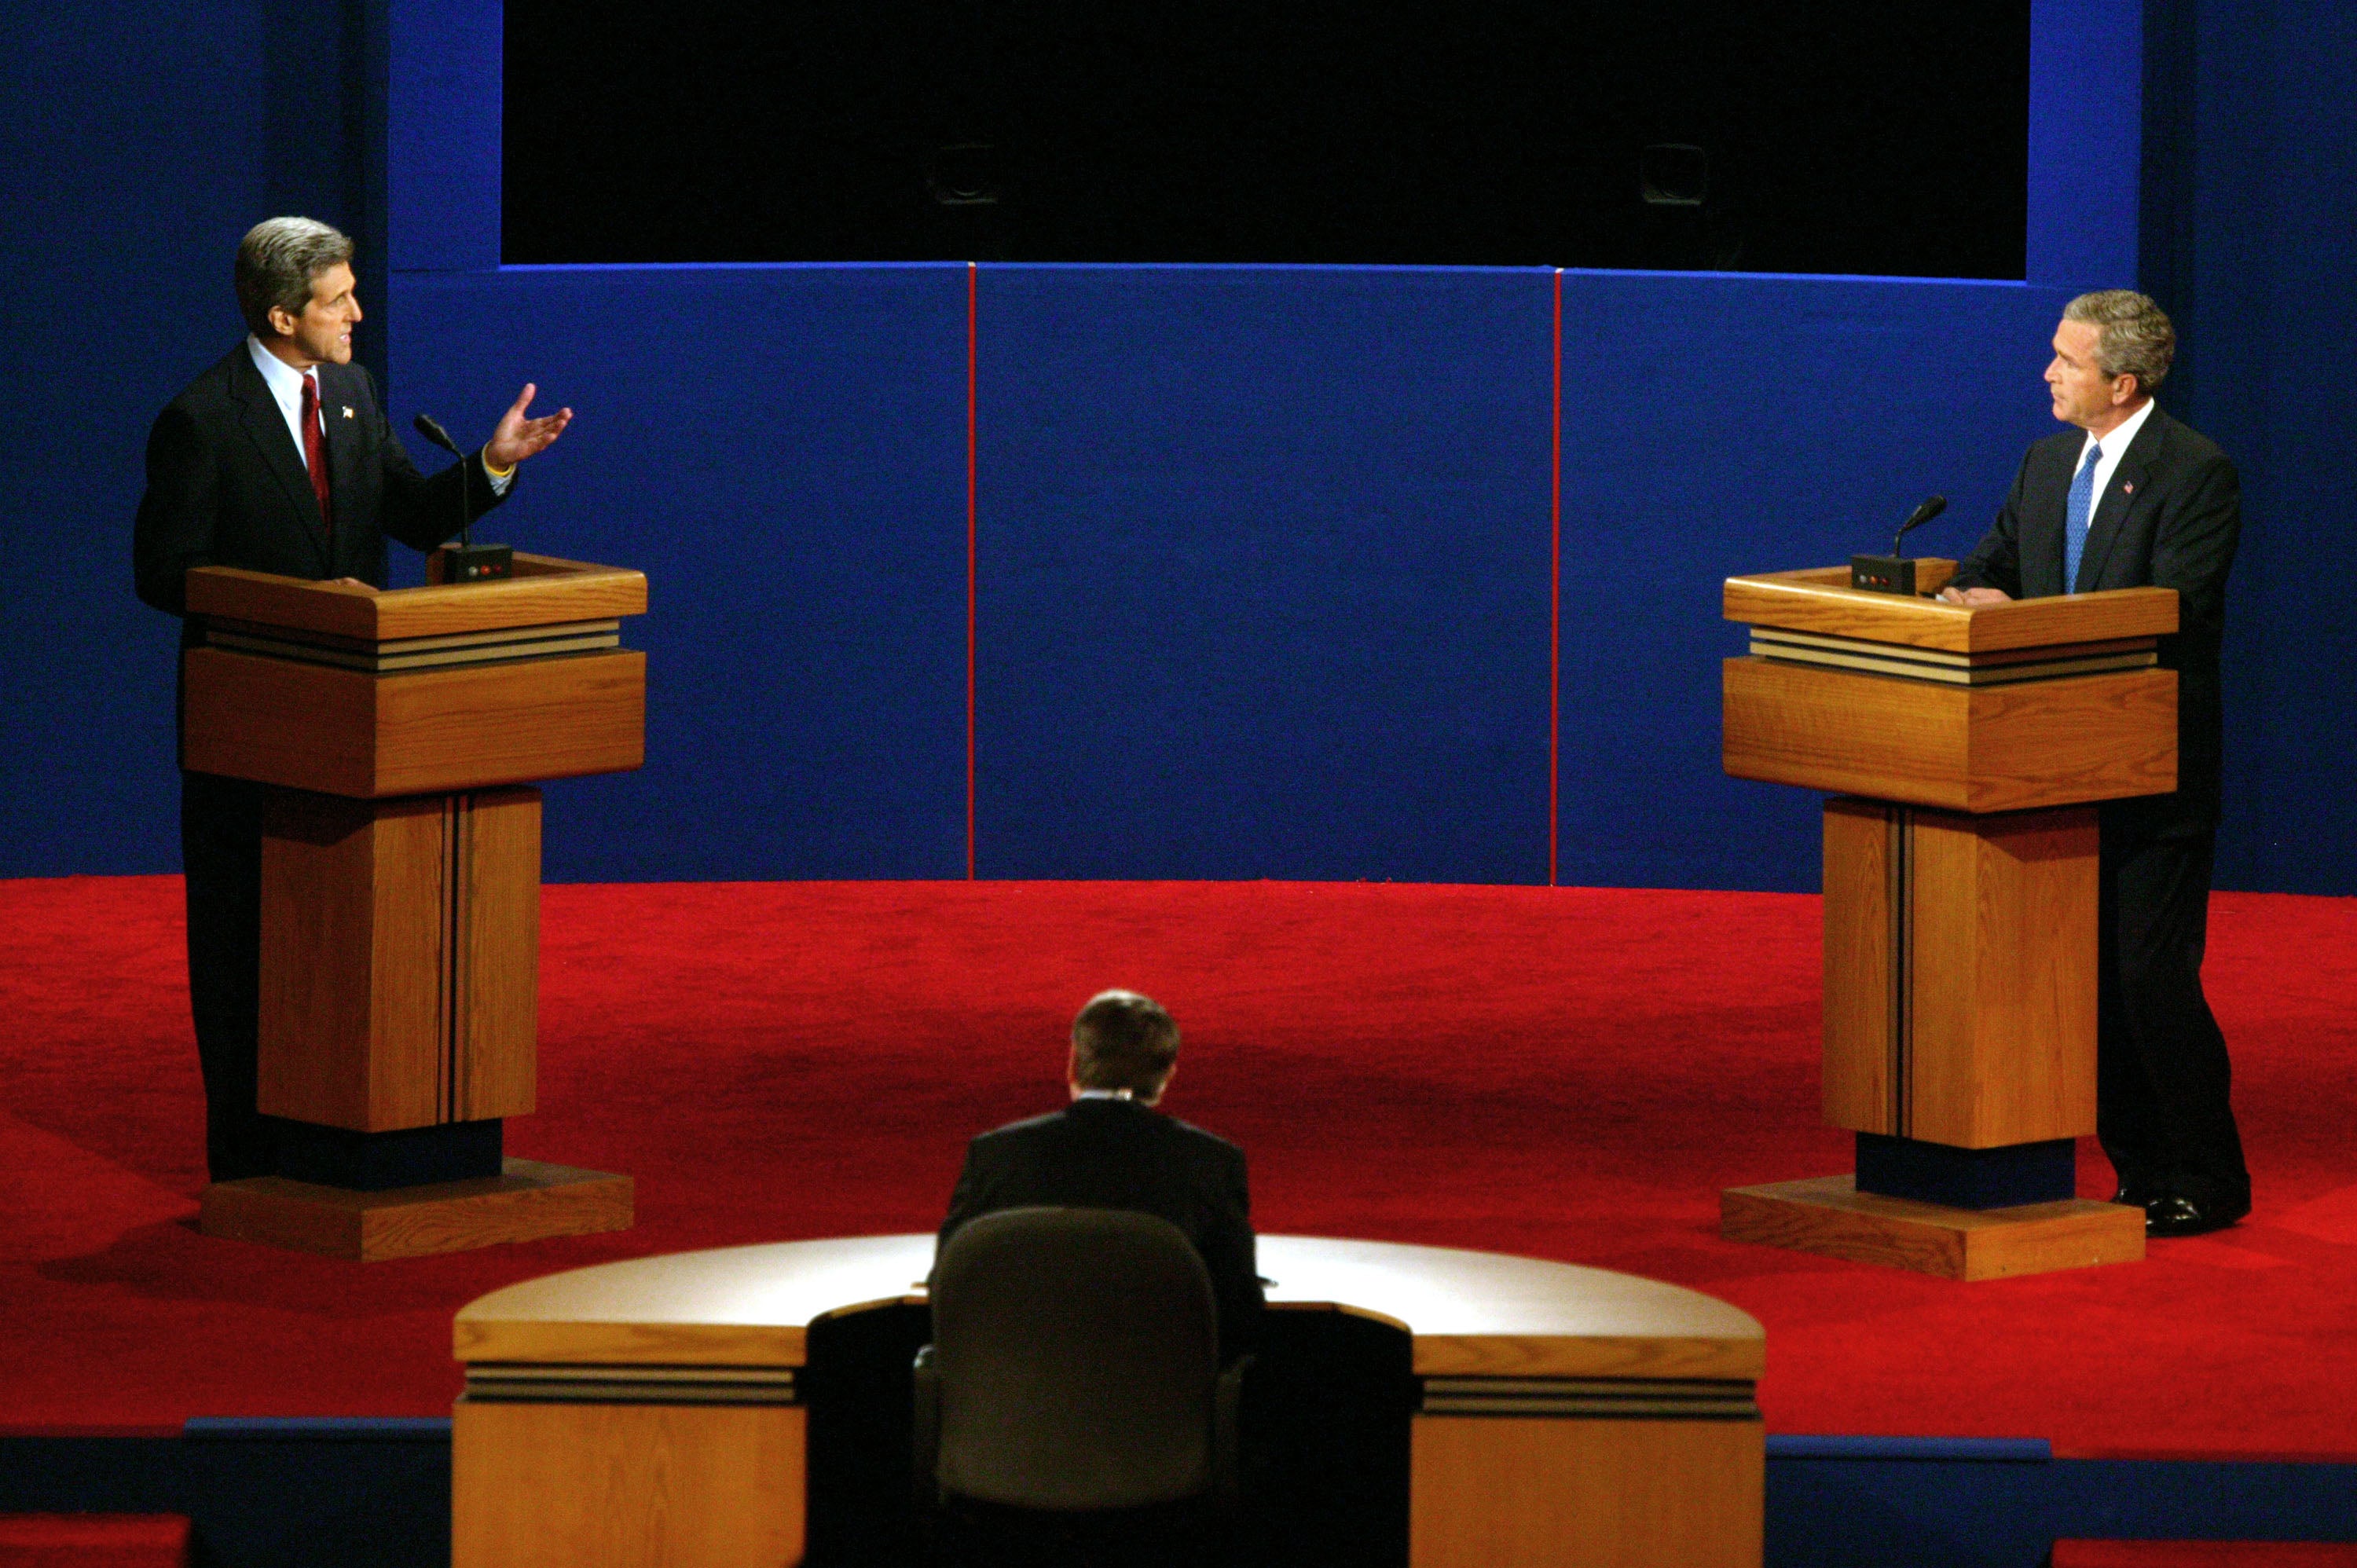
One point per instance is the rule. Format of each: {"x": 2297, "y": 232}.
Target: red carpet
{"x": 93, "y": 1540}
{"x": 1572, "y": 1074}
{"x": 2202, "y": 1554}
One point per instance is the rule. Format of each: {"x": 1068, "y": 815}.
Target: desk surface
{"x": 1471, "y": 1314}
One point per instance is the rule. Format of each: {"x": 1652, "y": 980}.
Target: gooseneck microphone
{"x": 468, "y": 562}
{"x": 1893, "y": 574}
{"x": 1933, "y": 507}
{"x": 431, "y": 428}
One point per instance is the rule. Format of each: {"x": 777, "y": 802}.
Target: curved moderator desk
{"x": 645, "y": 1413}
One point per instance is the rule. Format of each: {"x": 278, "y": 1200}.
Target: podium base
{"x": 527, "y": 1201}
{"x": 1828, "y": 1215}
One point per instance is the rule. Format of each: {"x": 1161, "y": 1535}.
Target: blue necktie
{"x": 2081, "y": 511}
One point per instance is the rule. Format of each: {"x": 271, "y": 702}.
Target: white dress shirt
{"x": 2115, "y": 446}
{"x": 286, "y": 385}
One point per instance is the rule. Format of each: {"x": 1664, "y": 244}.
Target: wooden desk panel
{"x": 342, "y": 732}
{"x": 1585, "y": 1494}
{"x": 400, "y": 954}
{"x": 544, "y": 590}
{"x": 1575, "y": 1482}
{"x": 1959, "y": 748}
{"x": 1820, "y": 599}
{"x": 619, "y": 1486}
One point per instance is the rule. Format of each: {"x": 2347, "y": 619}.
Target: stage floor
{"x": 1567, "y": 1073}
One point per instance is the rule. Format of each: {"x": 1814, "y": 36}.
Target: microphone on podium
{"x": 1893, "y": 574}
{"x": 467, "y": 562}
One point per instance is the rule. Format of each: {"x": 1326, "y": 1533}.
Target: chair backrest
{"x": 1077, "y": 1354}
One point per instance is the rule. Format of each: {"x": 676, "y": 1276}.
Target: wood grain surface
{"x": 400, "y": 952}
{"x": 354, "y": 1005}
{"x": 530, "y": 1200}
{"x": 1828, "y": 1215}
{"x": 342, "y": 732}
{"x": 303, "y": 726}
{"x": 1493, "y": 1490}
{"x": 627, "y": 1486}
{"x": 1519, "y": 1492}
{"x": 544, "y": 590}
{"x": 2002, "y": 923}
{"x": 1820, "y": 599}
{"x": 2042, "y": 743}
{"x": 1859, "y": 1000}
{"x": 510, "y": 723}
{"x": 497, "y": 968}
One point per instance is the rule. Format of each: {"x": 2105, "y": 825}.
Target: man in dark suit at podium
{"x": 1111, "y": 1149}
{"x": 2130, "y": 497}
{"x": 279, "y": 459}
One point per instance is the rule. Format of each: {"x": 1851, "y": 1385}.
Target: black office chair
{"x": 1074, "y": 1367}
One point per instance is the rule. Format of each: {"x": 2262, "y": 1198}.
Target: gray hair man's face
{"x": 2083, "y": 394}
{"x": 322, "y": 334}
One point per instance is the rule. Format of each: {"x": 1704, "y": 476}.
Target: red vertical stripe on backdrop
{"x": 973, "y": 317}
{"x": 1555, "y": 598}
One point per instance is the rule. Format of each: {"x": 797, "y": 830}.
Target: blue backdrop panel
{"x": 1717, "y": 424}
{"x": 441, "y": 134}
{"x": 137, "y": 150}
{"x": 2266, "y": 279}
{"x": 1264, "y": 571}
{"x": 782, "y": 451}
{"x": 2086, "y": 120}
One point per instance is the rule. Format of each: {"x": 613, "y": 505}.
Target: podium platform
{"x": 1965, "y": 748}
{"x": 400, "y": 732}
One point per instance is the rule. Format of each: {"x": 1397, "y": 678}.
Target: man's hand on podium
{"x": 518, "y": 438}
{"x": 1973, "y": 595}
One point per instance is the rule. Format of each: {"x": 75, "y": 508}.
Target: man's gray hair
{"x": 2133, "y": 336}
{"x": 276, "y": 261}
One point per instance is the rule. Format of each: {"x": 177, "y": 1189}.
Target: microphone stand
{"x": 468, "y": 561}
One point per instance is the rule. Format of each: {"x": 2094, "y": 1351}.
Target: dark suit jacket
{"x": 1118, "y": 1153}
{"x": 226, "y": 486}
{"x": 2169, "y": 518}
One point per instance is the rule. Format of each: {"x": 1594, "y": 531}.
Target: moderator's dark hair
{"x": 2133, "y": 335}
{"x": 1123, "y": 1040}
{"x": 276, "y": 261}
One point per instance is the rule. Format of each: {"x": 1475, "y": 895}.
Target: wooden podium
{"x": 1965, "y": 749}
{"x": 401, "y": 884}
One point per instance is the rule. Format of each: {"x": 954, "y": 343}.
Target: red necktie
{"x": 314, "y": 449}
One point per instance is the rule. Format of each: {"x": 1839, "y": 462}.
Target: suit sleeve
{"x": 422, "y": 510}
{"x": 178, "y": 514}
{"x": 2193, "y": 548}
{"x": 1231, "y": 1257}
{"x": 968, "y": 1200}
{"x": 1996, "y": 562}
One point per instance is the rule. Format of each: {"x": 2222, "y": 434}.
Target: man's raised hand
{"x": 518, "y": 438}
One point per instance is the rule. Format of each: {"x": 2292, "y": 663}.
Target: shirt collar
{"x": 1105, "y": 1094}
{"x": 284, "y": 382}
{"x": 2122, "y": 435}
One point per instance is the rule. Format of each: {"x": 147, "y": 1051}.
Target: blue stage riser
{"x": 375, "y": 1494}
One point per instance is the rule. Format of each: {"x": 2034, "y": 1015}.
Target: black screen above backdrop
{"x": 1835, "y": 136}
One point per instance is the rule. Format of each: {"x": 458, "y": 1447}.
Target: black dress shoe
{"x": 2133, "y": 1196}
{"x": 2178, "y": 1216}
